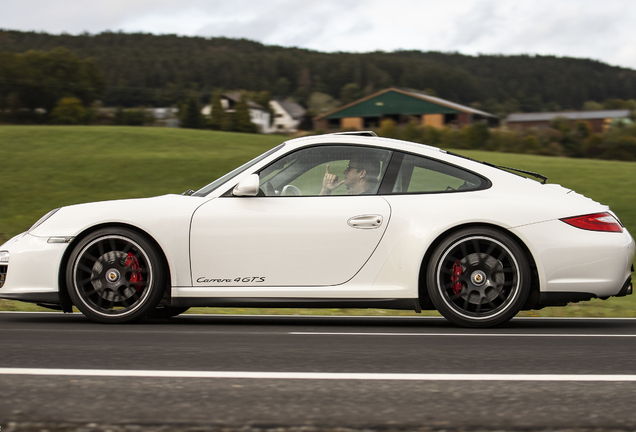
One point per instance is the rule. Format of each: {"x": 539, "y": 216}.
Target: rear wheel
{"x": 478, "y": 277}
{"x": 115, "y": 275}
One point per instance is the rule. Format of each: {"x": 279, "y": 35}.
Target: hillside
{"x": 145, "y": 69}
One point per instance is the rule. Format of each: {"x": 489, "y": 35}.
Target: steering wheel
{"x": 290, "y": 190}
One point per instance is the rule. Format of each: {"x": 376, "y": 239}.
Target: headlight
{"x": 43, "y": 219}
{"x": 4, "y": 257}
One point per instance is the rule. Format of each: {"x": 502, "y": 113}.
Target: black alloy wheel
{"x": 478, "y": 277}
{"x": 115, "y": 275}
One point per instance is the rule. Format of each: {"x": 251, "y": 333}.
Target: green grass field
{"x": 44, "y": 167}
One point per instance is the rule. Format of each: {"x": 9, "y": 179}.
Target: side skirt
{"x": 49, "y": 300}
{"x": 401, "y": 304}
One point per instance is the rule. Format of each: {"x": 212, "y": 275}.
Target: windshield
{"x": 218, "y": 182}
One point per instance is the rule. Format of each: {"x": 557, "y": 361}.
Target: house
{"x": 402, "y": 106}
{"x": 163, "y": 113}
{"x": 258, "y": 114}
{"x": 599, "y": 121}
{"x": 287, "y": 116}
{"x": 165, "y": 116}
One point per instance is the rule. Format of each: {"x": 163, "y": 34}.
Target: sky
{"x": 599, "y": 30}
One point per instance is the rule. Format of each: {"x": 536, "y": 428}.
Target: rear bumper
{"x": 539, "y": 300}
{"x": 627, "y": 288}
{"x": 572, "y": 260}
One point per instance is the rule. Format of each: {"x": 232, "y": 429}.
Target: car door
{"x": 292, "y": 236}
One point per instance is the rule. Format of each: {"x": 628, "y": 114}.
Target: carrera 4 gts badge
{"x": 254, "y": 279}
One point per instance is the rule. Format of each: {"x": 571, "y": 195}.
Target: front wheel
{"x": 478, "y": 277}
{"x": 115, "y": 275}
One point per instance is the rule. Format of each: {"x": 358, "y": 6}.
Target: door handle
{"x": 365, "y": 221}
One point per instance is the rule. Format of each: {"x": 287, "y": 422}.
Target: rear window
{"x": 421, "y": 175}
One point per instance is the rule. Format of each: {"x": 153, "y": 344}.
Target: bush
{"x": 133, "y": 117}
{"x": 190, "y": 115}
{"x": 619, "y": 143}
{"x": 620, "y": 148}
{"x": 70, "y": 111}
{"x": 531, "y": 145}
{"x": 593, "y": 146}
{"x": 388, "y": 129}
{"x": 413, "y": 132}
{"x": 431, "y": 135}
{"x": 476, "y": 136}
{"x": 449, "y": 138}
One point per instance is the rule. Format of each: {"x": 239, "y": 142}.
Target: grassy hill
{"x": 48, "y": 167}
{"x": 44, "y": 167}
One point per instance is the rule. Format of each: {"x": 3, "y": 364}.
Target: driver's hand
{"x": 330, "y": 182}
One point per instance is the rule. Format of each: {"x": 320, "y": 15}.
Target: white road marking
{"x": 467, "y": 334}
{"x": 315, "y": 375}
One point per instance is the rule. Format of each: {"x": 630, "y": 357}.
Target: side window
{"x": 421, "y": 175}
{"x": 326, "y": 170}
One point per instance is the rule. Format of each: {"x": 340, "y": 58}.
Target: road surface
{"x": 286, "y": 372}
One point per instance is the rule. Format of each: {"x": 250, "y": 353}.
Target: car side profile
{"x": 337, "y": 220}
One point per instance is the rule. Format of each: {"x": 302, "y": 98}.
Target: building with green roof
{"x": 401, "y": 106}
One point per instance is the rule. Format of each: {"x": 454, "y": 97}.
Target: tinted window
{"x": 354, "y": 170}
{"x": 421, "y": 175}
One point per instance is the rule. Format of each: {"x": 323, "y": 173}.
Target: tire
{"x": 478, "y": 277}
{"x": 115, "y": 275}
{"x": 166, "y": 311}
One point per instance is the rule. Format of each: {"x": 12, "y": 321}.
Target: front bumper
{"x": 3, "y": 274}
{"x": 33, "y": 271}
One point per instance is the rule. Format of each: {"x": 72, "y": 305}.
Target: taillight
{"x": 595, "y": 222}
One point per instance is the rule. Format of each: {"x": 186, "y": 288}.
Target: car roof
{"x": 364, "y": 138}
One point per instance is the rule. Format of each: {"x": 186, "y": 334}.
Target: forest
{"x": 161, "y": 70}
{"x": 61, "y": 79}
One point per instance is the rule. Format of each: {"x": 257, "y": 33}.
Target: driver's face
{"x": 352, "y": 175}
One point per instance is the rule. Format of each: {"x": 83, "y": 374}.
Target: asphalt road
{"x": 320, "y": 372}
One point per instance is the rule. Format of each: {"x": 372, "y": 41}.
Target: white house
{"x": 287, "y": 116}
{"x": 259, "y": 115}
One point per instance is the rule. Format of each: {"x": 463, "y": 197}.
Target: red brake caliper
{"x": 135, "y": 275}
{"x": 457, "y": 272}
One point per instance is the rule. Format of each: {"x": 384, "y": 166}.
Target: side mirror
{"x": 247, "y": 187}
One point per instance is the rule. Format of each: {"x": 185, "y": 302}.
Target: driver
{"x": 360, "y": 177}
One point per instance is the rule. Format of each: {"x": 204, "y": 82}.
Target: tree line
{"x": 57, "y": 79}
{"x": 162, "y": 70}
{"x": 560, "y": 138}
{"x": 33, "y": 85}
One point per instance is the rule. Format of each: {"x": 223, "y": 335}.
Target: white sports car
{"x": 338, "y": 220}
